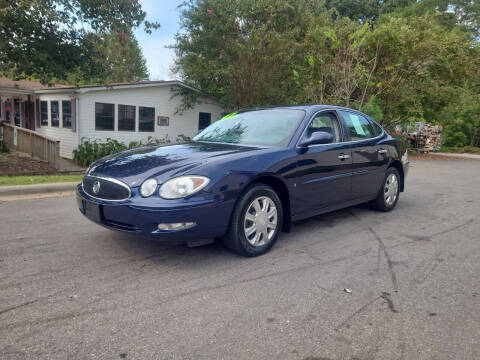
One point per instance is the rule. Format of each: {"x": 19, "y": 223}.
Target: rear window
{"x": 377, "y": 129}
{"x": 358, "y": 127}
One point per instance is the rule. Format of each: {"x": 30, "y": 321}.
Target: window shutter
{"x": 23, "y": 114}
{"x": 74, "y": 115}
{"x": 12, "y": 111}
{"x": 3, "y": 110}
{"x": 37, "y": 112}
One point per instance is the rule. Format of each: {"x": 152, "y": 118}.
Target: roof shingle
{"x": 27, "y": 85}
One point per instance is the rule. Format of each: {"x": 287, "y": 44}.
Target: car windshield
{"x": 272, "y": 127}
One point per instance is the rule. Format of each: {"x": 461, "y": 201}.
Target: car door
{"x": 369, "y": 157}
{"x": 323, "y": 171}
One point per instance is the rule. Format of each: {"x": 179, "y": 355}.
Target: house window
{"x": 126, "y": 117}
{"x": 204, "y": 120}
{"x": 163, "y": 120}
{"x": 44, "y": 113}
{"x": 146, "y": 119}
{"x": 104, "y": 116}
{"x": 54, "y": 113}
{"x": 67, "y": 114}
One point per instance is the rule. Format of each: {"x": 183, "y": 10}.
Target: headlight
{"x": 183, "y": 186}
{"x": 148, "y": 187}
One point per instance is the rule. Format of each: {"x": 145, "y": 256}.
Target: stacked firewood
{"x": 426, "y": 137}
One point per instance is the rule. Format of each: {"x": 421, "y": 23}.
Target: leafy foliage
{"x": 47, "y": 39}
{"x": 401, "y": 61}
{"x": 241, "y": 51}
{"x": 112, "y": 58}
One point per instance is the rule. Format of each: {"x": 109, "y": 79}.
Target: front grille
{"x": 104, "y": 188}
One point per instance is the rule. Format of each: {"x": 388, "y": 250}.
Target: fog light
{"x": 175, "y": 226}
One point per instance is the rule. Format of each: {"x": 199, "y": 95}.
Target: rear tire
{"x": 389, "y": 192}
{"x": 256, "y": 221}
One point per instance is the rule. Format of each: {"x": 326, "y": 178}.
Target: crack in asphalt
{"x": 443, "y": 232}
{"x": 390, "y": 263}
{"x": 18, "y": 306}
{"x": 427, "y": 238}
{"x": 358, "y": 311}
{"x": 382, "y": 246}
{"x": 264, "y": 276}
{"x": 387, "y": 297}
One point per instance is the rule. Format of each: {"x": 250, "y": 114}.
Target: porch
{"x": 17, "y": 107}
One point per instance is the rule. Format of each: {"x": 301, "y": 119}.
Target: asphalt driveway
{"x": 71, "y": 289}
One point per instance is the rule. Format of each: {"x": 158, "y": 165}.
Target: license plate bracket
{"x": 92, "y": 211}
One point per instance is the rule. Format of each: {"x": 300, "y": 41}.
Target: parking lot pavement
{"x": 71, "y": 289}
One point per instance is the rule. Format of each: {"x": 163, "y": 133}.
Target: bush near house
{"x": 91, "y": 150}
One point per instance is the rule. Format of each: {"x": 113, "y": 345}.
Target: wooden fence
{"x": 28, "y": 141}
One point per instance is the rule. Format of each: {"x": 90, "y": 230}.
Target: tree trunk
{"x": 473, "y": 142}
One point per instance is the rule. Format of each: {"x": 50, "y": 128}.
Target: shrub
{"x": 456, "y": 134}
{"x": 91, "y": 150}
{"x": 183, "y": 138}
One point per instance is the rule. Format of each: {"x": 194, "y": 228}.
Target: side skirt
{"x": 332, "y": 208}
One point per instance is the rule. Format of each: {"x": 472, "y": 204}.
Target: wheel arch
{"x": 281, "y": 189}
{"x": 398, "y": 165}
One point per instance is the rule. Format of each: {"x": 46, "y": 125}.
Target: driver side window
{"x": 324, "y": 122}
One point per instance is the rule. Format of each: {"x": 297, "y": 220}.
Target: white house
{"x": 125, "y": 112}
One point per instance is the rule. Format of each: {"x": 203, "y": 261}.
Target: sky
{"x": 159, "y": 59}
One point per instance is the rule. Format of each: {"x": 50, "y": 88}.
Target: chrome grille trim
{"x": 110, "y": 179}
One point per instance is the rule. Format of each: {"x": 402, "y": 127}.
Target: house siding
{"x": 68, "y": 139}
{"x": 158, "y": 97}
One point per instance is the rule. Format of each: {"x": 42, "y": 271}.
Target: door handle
{"x": 382, "y": 151}
{"x": 343, "y": 156}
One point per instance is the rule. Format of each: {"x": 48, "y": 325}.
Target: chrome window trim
{"x": 118, "y": 182}
{"x": 340, "y": 142}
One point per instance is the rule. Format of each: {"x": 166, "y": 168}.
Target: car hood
{"x": 135, "y": 166}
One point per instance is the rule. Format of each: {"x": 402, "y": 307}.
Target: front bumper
{"x": 141, "y": 216}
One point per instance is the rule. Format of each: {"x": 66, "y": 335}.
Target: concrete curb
{"x": 37, "y": 189}
{"x": 455, "y": 155}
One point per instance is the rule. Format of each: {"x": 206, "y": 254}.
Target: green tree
{"x": 242, "y": 51}
{"x": 421, "y": 65}
{"x": 366, "y": 10}
{"x": 112, "y": 58}
{"x": 399, "y": 61}
{"x": 45, "y": 39}
{"x": 337, "y": 67}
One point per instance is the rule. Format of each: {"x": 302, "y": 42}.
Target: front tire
{"x": 388, "y": 195}
{"x": 256, "y": 221}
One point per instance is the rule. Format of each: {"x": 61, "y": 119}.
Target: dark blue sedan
{"x": 247, "y": 177}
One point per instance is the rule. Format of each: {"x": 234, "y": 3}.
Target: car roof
{"x": 298, "y": 107}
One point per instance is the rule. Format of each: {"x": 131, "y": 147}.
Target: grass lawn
{"x": 38, "y": 179}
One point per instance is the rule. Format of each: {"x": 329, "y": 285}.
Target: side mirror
{"x": 318, "y": 137}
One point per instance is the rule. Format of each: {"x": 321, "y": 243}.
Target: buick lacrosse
{"x": 247, "y": 177}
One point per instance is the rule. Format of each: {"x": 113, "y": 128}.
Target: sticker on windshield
{"x": 356, "y": 124}
{"x": 229, "y": 116}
